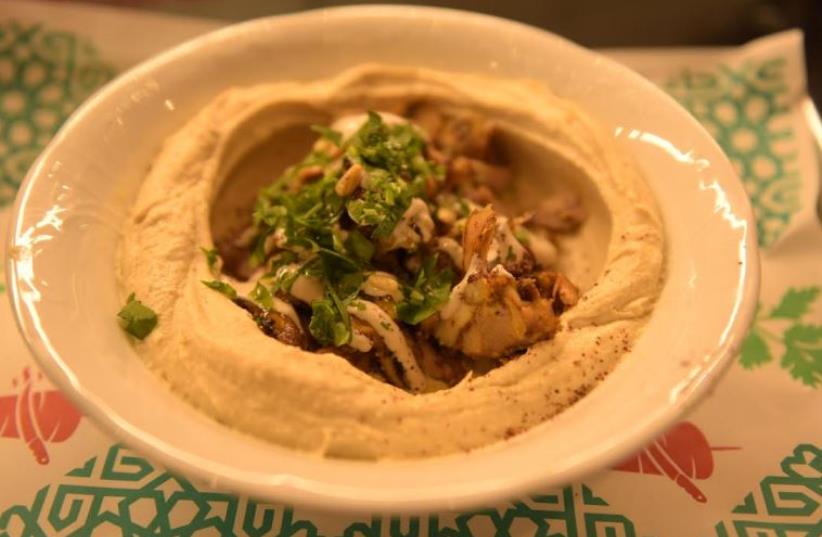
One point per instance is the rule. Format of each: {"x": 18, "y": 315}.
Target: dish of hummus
{"x": 391, "y": 263}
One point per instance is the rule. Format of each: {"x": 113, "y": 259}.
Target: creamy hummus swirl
{"x": 213, "y": 356}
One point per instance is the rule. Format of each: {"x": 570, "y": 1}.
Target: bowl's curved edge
{"x": 353, "y": 502}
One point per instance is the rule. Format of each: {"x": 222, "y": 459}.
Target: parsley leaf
{"x": 795, "y": 303}
{"x": 327, "y": 324}
{"x": 754, "y": 351}
{"x": 136, "y": 318}
{"x": 278, "y": 261}
{"x": 430, "y": 290}
{"x": 283, "y": 280}
{"x": 803, "y": 353}
{"x": 221, "y": 287}
{"x": 313, "y": 222}
{"x": 398, "y": 149}
{"x": 383, "y": 203}
{"x": 359, "y": 246}
{"x": 262, "y": 296}
{"x": 328, "y": 134}
{"x": 307, "y": 217}
{"x": 396, "y": 173}
{"x": 211, "y": 258}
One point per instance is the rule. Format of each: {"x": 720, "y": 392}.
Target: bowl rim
{"x": 298, "y": 491}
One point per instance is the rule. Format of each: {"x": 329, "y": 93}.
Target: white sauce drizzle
{"x": 394, "y": 340}
{"x": 360, "y": 341}
{"x": 456, "y": 313}
{"x": 415, "y": 226}
{"x": 280, "y": 306}
{"x": 504, "y": 246}
{"x": 379, "y": 284}
{"x": 304, "y": 288}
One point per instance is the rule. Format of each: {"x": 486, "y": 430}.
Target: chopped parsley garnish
{"x": 359, "y": 246}
{"x": 429, "y": 292}
{"x": 384, "y": 201}
{"x": 284, "y": 279}
{"x": 262, "y": 296}
{"x": 310, "y": 217}
{"x": 393, "y": 158}
{"x": 329, "y": 134}
{"x": 136, "y": 318}
{"x": 221, "y": 287}
{"x": 397, "y": 149}
{"x": 327, "y": 324}
{"x": 211, "y": 258}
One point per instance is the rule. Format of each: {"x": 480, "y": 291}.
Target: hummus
{"x": 215, "y": 358}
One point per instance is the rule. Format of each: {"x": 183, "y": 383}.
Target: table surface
{"x": 747, "y": 461}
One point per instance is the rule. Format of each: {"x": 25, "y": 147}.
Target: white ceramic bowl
{"x": 70, "y": 207}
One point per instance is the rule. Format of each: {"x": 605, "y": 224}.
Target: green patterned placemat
{"x": 44, "y": 75}
{"x": 121, "y": 493}
{"x": 745, "y": 108}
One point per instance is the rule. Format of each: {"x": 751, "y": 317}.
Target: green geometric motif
{"x": 126, "y": 495}
{"x": 44, "y": 75}
{"x": 785, "y": 505}
{"x": 123, "y": 494}
{"x": 745, "y": 109}
{"x": 801, "y": 340}
{"x": 85, "y": 470}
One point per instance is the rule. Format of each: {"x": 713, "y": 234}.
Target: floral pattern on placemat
{"x": 122, "y": 493}
{"x": 785, "y": 331}
{"x": 745, "y": 109}
{"x": 44, "y": 75}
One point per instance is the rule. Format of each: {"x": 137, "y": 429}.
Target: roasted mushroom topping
{"x": 491, "y": 313}
{"x": 385, "y": 246}
{"x": 273, "y": 323}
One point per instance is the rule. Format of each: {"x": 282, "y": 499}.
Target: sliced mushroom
{"x": 563, "y": 293}
{"x": 390, "y": 335}
{"x": 274, "y": 324}
{"x": 439, "y": 364}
